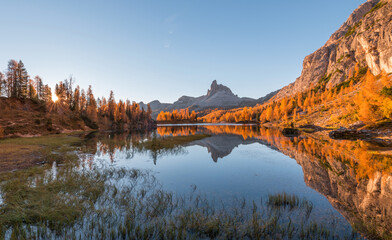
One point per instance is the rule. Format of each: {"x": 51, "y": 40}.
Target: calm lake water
{"x": 245, "y": 161}
{"x": 347, "y": 182}
{"x": 225, "y": 165}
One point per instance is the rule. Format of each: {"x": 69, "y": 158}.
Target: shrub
{"x": 325, "y": 78}
{"x": 49, "y": 124}
{"x": 89, "y": 123}
{"x": 387, "y": 92}
{"x": 340, "y": 59}
{"x": 352, "y": 29}
{"x": 1, "y": 132}
{"x": 362, "y": 71}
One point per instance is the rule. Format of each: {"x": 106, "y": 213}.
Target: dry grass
{"x": 1, "y": 132}
{"x": 18, "y": 153}
{"x": 81, "y": 203}
{"x": 30, "y": 118}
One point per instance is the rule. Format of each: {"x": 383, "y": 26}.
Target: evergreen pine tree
{"x": 22, "y": 79}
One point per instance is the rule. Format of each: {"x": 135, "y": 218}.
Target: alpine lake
{"x": 203, "y": 181}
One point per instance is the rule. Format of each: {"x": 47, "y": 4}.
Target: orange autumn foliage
{"x": 358, "y": 98}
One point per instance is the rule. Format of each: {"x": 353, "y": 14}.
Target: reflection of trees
{"x": 246, "y": 131}
{"x": 355, "y": 176}
{"x": 102, "y": 144}
{"x": 120, "y": 203}
{"x": 177, "y": 130}
{"x": 155, "y": 149}
{"x": 364, "y": 159}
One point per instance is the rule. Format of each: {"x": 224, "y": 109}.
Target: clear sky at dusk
{"x": 146, "y": 50}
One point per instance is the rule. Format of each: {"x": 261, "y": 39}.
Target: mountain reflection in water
{"x": 355, "y": 176}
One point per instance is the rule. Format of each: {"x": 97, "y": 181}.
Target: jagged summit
{"x": 218, "y": 96}
{"x": 215, "y": 87}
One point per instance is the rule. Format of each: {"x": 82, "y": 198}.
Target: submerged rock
{"x": 290, "y": 132}
{"x": 350, "y": 134}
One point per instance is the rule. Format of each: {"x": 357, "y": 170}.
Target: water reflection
{"x": 355, "y": 176}
{"x": 96, "y": 194}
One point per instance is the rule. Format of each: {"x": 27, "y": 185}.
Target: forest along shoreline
{"x": 38, "y": 125}
{"x": 21, "y": 152}
{"x": 67, "y": 143}
{"x": 28, "y": 107}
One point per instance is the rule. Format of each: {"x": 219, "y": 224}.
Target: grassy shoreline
{"x": 76, "y": 202}
{"x": 25, "y": 152}
{"x": 71, "y": 199}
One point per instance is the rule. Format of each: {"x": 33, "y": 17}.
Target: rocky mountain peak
{"x": 353, "y": 19}
{"x": 215, "y": 87}
{"x": 364, "y": 40}
{"x": 218, "y": 96}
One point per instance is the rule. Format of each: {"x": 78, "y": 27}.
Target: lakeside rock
{"x": 290, "y": 132}
{"x": 351, "y": 134}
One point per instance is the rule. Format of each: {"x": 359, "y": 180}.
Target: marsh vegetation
{"x": 101, "y": 186}
{"x": 79, "y": 202}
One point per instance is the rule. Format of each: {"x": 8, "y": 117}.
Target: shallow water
{"x": 347, "y": 183}
{"x": 235, "y": 161}
{"x": 244, "y": 169}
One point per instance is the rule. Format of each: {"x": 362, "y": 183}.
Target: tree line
{"x": 16, "y": 83}
{"x": 120, "y": 115}
{"x": 181, "y": 115}
{"x": 361, "y": 97}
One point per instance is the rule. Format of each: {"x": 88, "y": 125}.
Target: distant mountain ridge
{"x": 218, "y": 96}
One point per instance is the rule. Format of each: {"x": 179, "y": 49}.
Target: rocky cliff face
{"x": 218, "y": 96}
{"x": 364, "y": 39}
{"x": 215, "y": 88}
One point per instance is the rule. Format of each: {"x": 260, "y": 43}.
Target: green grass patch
{"x": 376, "y": 7}
{"x": 352, "y": 29}
{"x": 17, "y": 153}
{"x": 340, "y": 59}
{"x": 307, "y": 130}
{"x": 325, "y": 79}
{"x": 355, "y": 79}
{"x": 51, "y": 141}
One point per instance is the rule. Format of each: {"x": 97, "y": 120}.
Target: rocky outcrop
{"x": 364, "y": 39}
{"x": 215, "y": 88}
{"x": 350, "y": 134}
{"x": 218, "y": 96}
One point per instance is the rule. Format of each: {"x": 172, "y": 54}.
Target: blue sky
{"x": 146, "y": 50}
